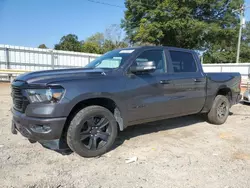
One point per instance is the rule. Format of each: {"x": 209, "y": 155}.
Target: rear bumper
{"x": 37, "y": 129}
{"x": 246, "y": 96}
{"x": 236, "y": 99}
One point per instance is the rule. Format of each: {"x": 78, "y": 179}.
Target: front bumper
{"x": 37, "y": 129}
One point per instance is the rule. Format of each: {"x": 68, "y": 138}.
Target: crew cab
{"x": 84, "y": 108}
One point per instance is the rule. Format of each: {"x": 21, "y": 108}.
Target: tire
{"x": 83, "y": 136}
{"x": 216, "y": 115}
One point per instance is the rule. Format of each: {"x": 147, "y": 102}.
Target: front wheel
{"x": 92, "y": 131}
{"x": 219, "y": 111}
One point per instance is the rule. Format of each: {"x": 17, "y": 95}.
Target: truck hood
{"x": 49, "y": 76}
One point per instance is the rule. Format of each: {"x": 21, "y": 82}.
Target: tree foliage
{"x": 221, "y": 53}
{"x": 98, "y": 43}
{"x": 93, "y": 44}
{"x": 104, "y": 42}
{"x": 91, "y": 47}
{"x": 114, "y": 38}
{"x": 69, "y": 43}
{"x": 245, "y": 47}
{"x": 205, "y": 25}
{"x": 42, "y": 46}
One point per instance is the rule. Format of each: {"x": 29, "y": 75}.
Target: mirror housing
{"x": 148, "y": 66}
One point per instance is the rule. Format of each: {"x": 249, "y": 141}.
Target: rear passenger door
{"x": 189, "y": 81}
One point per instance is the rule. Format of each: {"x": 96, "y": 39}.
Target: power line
{"x": 104, "y": 3}
{"x": 118, "y": 6}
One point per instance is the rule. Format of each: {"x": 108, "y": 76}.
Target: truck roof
{"x": 157, "y": 47}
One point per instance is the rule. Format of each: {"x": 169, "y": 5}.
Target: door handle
{"x": 197, "y": 80}
{"x": 164, "y": 82}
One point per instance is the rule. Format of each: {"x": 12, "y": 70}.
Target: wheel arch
{"x": 105, "y": 102}
{"x": 222, "y": 90}
{"x": 225, "y": 91}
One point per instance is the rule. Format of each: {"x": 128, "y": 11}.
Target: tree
{"x": 108, "y": 46}
{"x": 225, "y": 53}
{"x": 97, "y": 38}
{"x": 246, "y": 33}
{"x": 91, "y": 47}
{"x": 103, "y": 42}
{"x": 114, "y": 33}
{"x": 42, "y": 46}
{"x": 93, "y": 44}
{"x": 114, "y": 37}
{"x": 245, "y": 47}
{"x": 69, "y": 43}
{"x": 207, "y": 25}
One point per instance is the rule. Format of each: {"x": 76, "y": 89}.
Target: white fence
{"x": 32, "y": 59}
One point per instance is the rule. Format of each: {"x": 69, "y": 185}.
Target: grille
{"x": 20, "y": 102}
{"x": 17, "y": 98}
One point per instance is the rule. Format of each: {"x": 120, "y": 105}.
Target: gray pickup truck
{"x": 84, "y": 108}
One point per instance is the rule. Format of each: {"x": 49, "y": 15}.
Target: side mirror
{"x": 148, "y": 66}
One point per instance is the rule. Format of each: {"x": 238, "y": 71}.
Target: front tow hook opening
{"x": 32, "y": 141}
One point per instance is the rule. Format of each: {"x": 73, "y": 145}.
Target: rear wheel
{"x": 219, "y": 111}
{"x": 92, "y": 131}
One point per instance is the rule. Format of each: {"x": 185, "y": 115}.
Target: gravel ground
{"x": 183, "y": 152}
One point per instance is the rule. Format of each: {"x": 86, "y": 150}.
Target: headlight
{"x": 51, "y": 95}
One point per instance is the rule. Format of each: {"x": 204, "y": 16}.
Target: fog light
{"x": 40, "y": 128}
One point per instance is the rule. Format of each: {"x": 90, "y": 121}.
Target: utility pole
{"x": 241, "y": 10}
{"x": 240, "y": 33}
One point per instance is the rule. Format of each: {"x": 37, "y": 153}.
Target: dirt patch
{"x": 182, "y": 152}
{"x": 241, "y": 156}
{"x": 229, "y": 136}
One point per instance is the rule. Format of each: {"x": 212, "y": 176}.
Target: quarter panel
{"x": 217, "y": 81}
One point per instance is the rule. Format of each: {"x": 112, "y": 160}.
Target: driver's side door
{"x": 149, "y": 93}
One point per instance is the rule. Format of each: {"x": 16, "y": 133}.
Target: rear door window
{"x": 183, "y": 61}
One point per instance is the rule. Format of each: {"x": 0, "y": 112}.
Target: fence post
{"x": 7, "y": 56}
{"x": 248, "y": 76}
{"x": 88, "y": 59}
{"x": 52, "y": 60}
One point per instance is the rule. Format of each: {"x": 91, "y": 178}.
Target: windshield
{"x": 112, "y": 60}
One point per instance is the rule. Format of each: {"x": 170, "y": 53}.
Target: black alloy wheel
{"x": 95, "y": 132}
{"x": 222, "y": 110}
{"x": 219, "y": 110}
{"x": 92, "y": 131}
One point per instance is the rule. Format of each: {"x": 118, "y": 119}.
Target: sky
{"x": 34, "y": 22}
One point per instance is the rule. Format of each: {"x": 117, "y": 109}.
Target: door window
{"x": 157, "y": 56}
{"x": 183, "y": 62}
